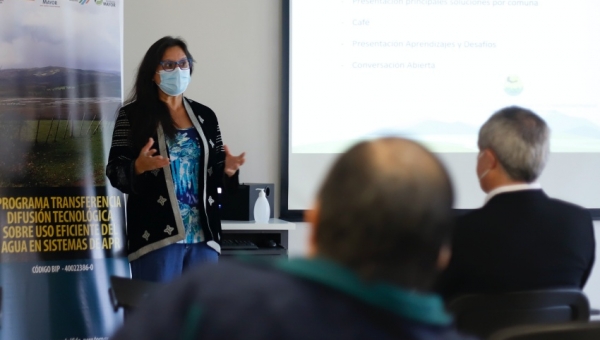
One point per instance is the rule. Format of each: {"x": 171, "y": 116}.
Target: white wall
{"x": 237, "y": 48}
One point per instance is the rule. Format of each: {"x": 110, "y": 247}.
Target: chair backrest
{"x": 483, "y": 314}
{"x": 566, "y": 331}
{"x": 127, "y": 293}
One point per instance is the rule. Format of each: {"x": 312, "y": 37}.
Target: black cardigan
{"x": 153, "y": 216}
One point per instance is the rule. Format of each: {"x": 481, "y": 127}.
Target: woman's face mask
{"x": 175, "y": 82}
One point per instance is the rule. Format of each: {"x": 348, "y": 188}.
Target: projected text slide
{"x": 435, "y": 70}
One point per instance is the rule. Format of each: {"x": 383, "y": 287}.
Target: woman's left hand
{"x": 233, "y": 163}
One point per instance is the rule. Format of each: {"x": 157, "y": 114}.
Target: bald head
{"x": 385, "y": 210}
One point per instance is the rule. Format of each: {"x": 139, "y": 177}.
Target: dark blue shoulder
{"x": 470, "y": 216}
{"x": 569, "y": 209}
{"x": 567, "y": 205}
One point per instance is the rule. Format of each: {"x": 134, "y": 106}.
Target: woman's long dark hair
{"x": 147, "y": 110}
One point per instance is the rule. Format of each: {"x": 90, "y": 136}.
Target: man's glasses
{"x": 169, "y": 65}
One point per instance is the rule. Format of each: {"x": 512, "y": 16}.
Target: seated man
{"x": 521, "y": 239}
{"x": 379, "y": 233}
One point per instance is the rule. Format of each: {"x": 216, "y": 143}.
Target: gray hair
{"x": 520, "y": 140}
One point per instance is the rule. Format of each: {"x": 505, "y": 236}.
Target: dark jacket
{"x": 153, "y": 216}
{"x": 296, "y": 299}
{"x": 520, "y": 241}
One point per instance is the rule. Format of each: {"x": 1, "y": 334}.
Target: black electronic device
{"x": 229, "y": 244}
{"x": 267, "y": 244}
{"x": 239, "y": 205}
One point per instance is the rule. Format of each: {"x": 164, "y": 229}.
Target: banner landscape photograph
{"x": 62, "y": 226}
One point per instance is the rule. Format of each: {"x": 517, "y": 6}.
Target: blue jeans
{"x": 168, "y": 263}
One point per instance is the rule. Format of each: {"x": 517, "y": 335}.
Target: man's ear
{"x": 491, "y": 159}
{"x": 444, "y": 257}
{"x": 312, "y": 218}
{"x": 487, "y": 158}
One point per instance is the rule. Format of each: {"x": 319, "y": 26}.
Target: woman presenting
{"x": 168, "y": 156}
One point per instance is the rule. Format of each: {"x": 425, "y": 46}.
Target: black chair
{"x": 566, "y": 331}
{"x": 128, "y": 293}
{"x": 484, "y": 314}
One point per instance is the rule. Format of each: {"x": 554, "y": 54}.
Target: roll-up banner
{"x": 62, "y": 226}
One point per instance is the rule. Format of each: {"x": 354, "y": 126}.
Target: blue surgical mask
{"x": 175, "y": 82}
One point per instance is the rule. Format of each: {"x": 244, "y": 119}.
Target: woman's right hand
{"x": 146, "y": 161}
